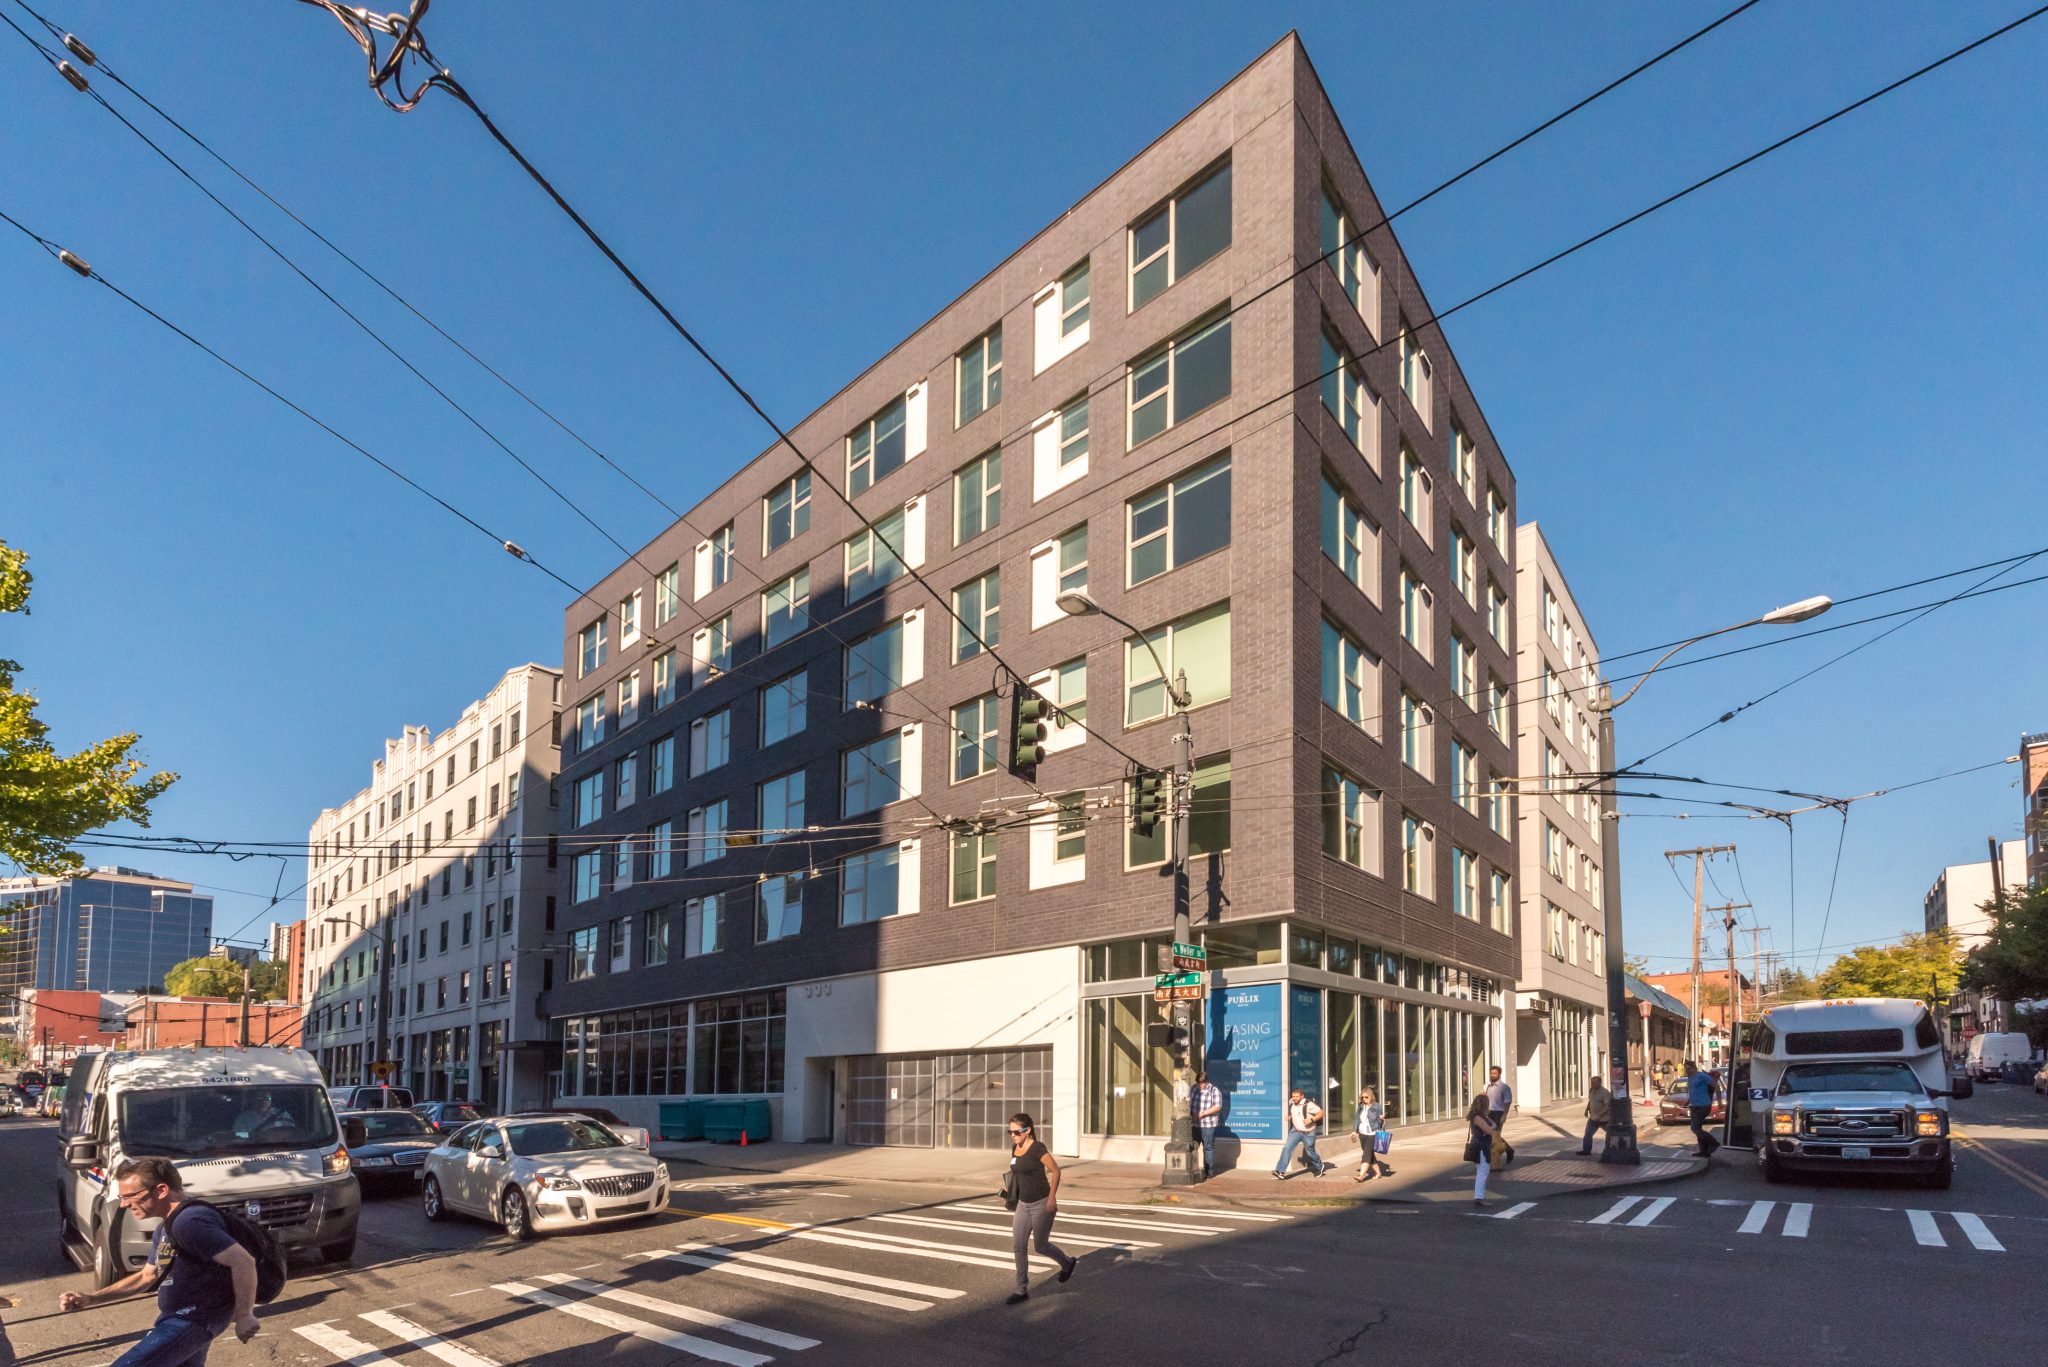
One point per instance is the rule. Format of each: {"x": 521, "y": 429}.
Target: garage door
{"x": 948, "y": 1101}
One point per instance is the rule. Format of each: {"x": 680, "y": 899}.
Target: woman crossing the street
{"x": 1035, "y": 1184}
{"x": 1371, "y": 1117}
{"x": 1479, "y": 1132}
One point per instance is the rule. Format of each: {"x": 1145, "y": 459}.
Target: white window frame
{"x": 1166, "y": 395}
{"x": 703, "y": 927}
{"x": 1358, "y": 536}
{"x": 986, "y": 470}
{"x": 1168, "y": 495}
{"x": 989, "y": 390}
{"x": 1140, "y": 672}
{"x": 710, "y": 742}
{"x": 983, "y": 746}
{"x": 1359, "y": 809}
{"x": 1358, "y": 275}
{"x": 1170, "y": 249}
{"x": 629, "y": 619}
{"x": 795, "y": 492}
{"x": 1418, "y": 376}
{"x": 795, "y": 705}
{"x": 1354, "y": 673}
{"x": 704, "y": 833}
{"x": 782, "y": 805}
{"x": 864, "y": 670}
{"x": 786, "y": 607}
{"x": 1060, "y": 317}
{"x": 984, "y": 616}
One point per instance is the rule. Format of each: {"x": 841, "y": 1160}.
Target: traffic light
{"x": 1148, "y": 801}
{"x": 1028, "y": 712}
{"x": 1170, "y": 1037}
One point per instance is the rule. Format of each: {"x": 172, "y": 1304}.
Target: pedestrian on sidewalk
{"x": 204, "y": 1280}
{"x": 1480, "y": 1128}
{"x": 1303, "y": 1116}
{"x": 1208, "y": 1115}
{"x": 1599, "y": 1113}
{"x": 1499, "y": 1098}
{"x": 1038, "y": 1185}
{"x": 1700, "y": 1088}
{"x": 1371, "y": 1116}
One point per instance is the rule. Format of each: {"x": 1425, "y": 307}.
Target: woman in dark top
{"x": 1479, "y": 1134}
{"x": 1038, "y": 1183}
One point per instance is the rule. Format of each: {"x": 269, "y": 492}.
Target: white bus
{"x": 1852, "y": 1086}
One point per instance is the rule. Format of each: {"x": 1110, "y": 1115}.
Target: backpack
{"x": 257, "y": 1243}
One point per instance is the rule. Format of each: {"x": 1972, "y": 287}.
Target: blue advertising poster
{"x": 1305, "y": 1042}
{"x": 1244, "y": 1059}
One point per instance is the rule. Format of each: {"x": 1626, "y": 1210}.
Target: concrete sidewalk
{"x": 1429, "y": 1169}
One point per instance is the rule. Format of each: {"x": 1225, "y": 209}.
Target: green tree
{"x": 2012, "y": 963}
{"x": 1635, "y": 965}
{"x": 48, "y": 800}
{"x": 211, "y": 977}
{"x": 1790, "y": 985}
{"x": 1919, "y": 964}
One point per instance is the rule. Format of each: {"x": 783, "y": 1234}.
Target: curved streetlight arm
{"x": 1078, "y": 604}
{"x": 1792, "y": 612}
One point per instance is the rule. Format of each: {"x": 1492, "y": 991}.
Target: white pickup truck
{"x": 1859, "y": 1085}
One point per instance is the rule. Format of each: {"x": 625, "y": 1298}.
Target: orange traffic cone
{"x": 743, "y": 1139}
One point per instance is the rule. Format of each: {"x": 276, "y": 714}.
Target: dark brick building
{"x": 1272, "y": 467}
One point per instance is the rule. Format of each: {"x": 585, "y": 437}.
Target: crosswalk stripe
{"x": 1979, "y": 1235}
{"x": 866, "y": 1235}
{"x": 1114, "y": 1221}
{"x": 709, "y": 1319}
{"x": 1204, "y": 1212}
{"x": 1651, "y": 1212}
{"x": 1002, "y": 1231}
{"x": 824, "y": 1288}
{"x": 352, "y": 1351}
{"x": 1925, "y": 1230}
{"x": 1798, "y": 1217}
{"x": 941, "y": 1293}
{"x": 1759, "y": 1216}
{"x": 1615, "y": 1211}
{"x": 454, "y": 1354}
{"x": 969, "y": 1257}
{"x": 1512, "y": 1211}
{"x": 638, "y": 1328}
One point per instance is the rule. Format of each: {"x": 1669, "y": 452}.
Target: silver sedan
{"x": 538, "y": 1174}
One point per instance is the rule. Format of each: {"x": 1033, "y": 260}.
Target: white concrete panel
{"x": 909, "y": 878}
{"x": 914, "y": 419}
{"x": 913, "y": 759}
{"x": 701, "y": 580}
{"x": 913, "y": 646}
{"x": 1045, "y": 584}
{"x": 913, "y": 532}
{"x": 1046, "y": 475}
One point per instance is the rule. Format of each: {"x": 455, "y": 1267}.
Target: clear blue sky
{"x": 1814, "y": 377}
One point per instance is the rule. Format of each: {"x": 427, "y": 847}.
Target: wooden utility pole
{"x": 1756, "y": 984}
{"x": 1699, "y": 867}
{"x": 1732, "y": 1016}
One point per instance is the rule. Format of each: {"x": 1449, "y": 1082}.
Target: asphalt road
{"x": 749, "y": 1270}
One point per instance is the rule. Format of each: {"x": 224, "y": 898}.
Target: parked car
{"x": 370, "y": 1098}
{"x": 634, "y": 1135}
{"x": 446, "y": 1117}
{"x": 1676, "y": 1107}
{"x": 386, "y": 1148}
{"x": 533, "y": 1174}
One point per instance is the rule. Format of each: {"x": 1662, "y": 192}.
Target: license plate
{"x": 1855, "y": 1150}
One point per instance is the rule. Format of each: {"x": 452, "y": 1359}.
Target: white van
{"x": 1986, "y": 1055}
{"x": 250, "y": 1128}
{"x": 1852, "y": 1086}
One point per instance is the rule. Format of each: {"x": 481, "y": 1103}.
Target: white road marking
{"x": 1925, "y": 1230}
{"x": 1798, "y": 1217}
{"x": 351, "y": 1350}
{"x": 970, "y": 1257}
{"x": 737, "y": 1328}
{"x": 1002, "y": 1231}
{"x": 1512, "y": 1211}
{"x": 639, "y": 1329}
{"x": 1974, "y": 1229}
{"x": 1651, "y": 1212}
{"x": 762, "y": 1274}
{"x": 1115, "y": 1221}
{"x": 1614, "y": 1212}
{"x": 1204, "y": 1212}
{"x": 939, "y": 1293}
{"x": 1759, "y": 1216}
{"x": 454, "y": 1354}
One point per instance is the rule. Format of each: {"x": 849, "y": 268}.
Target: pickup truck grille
{"x": 1855, "y": 1127}
{"x": 620, "y": 1186}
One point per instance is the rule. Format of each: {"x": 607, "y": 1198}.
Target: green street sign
{"x": 1178, "y": 980}
{"x": 1181, "y": 951}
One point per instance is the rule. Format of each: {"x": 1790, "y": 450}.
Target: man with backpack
{"x": 1304, "y": 1117}
{"x": 204, "y": 1278}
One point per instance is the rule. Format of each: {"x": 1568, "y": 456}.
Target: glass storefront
{"x": 718, "y": 1046}
{"x": 1569, "y": 1048}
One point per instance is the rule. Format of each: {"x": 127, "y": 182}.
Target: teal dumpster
{"x": 726, "y": 1121}
{"x": 682, "y": 1119}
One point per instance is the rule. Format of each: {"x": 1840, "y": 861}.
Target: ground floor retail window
{"x": 1130, "y": 1087}
{"x": 1571, "y": 1030}
{"x": 719, "y": 1046}
{"x": 948, "y": 1101}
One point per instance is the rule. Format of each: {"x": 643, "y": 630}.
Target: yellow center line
{"x": 2029, "y": 1180}
{"x": 732, "y": 1219}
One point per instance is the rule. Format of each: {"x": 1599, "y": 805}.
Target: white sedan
{"x": 535, "y": 1174}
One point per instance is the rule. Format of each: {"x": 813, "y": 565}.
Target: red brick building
{"x": 56, "y": 1025}
{"x": 166, "y": 1022}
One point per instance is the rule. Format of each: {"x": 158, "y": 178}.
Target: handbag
{"x": 1010, "y": 1189}
{"x": 1382, "y": 1141}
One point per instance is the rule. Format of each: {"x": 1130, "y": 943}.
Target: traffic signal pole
{"x": 1183, "y": 1164}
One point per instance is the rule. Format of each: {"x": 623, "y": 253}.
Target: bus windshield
{"x": 239, "y": 1119}
{"x": 1848, "y": 1077}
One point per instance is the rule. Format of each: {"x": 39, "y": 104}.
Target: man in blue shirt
{"x": 1699, "y": 1097}
{"x": 204, "y": 1280}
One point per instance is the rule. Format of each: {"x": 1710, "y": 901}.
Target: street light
{"x": 1620, "y": 1144}
{"x": 1181, "y": 1168}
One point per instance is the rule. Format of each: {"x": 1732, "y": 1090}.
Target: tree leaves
{"x": 2012, "y": 963}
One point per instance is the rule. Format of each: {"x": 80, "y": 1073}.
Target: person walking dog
{"x": 1599, "y": 1113}
{"x": 1371, "y": 1119}
{"x": 1479, "y": 1132}
{"x": 1303, "y": 1116}
{"x": 204, "y": 1280}
{"x": 1035, "y": 1185}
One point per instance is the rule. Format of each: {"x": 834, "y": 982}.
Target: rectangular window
{"x": 786, "y": 607}
{"x": 621, "y": 938}
{"x": 1497, "y": 614}
{"x": 1497, "y": 707}
{"x": 629, "y": 618}
{"x": 875, "y": 557}
{"x": 979, "y": 371}
{"x": 1350, "y": 539}
{"x": 1351, "y": 820}
{"x": 1416, "y": 493}
{"x": 626, "y": 774}
{"x": 782, "y": 707}
{"x": 661, "y": 774}
{"x": 661, "y": 846}
{"x": 702, "y": 927}
{"x": 1070, "y": 829}
{"x": 872, "y": 774}
{"x": 1417, "y": 378}
{"x": 868, "y": 886}
{"x": 973, "y": 867}
{"x": 1497, "y": 520}
{"x": 664, "y": 679}
{"x": 589, "y": 798}
{"x": 1416, "y": 602}
{"x": 1498, "y": 813}
{"x": 1465, "y": 776}
{"x": 1350, "y": 400}
{"x": 582, "y": 956}
{"x": 778, "y": 908}
{"x": 1464, "y": 670}
{"x": 710, "y": 741}
{"x": 1351, "y": 680}
{"x": 1171, "y": 241}
{"x": 786, "y": 513}
{"x": 711, "y": 652}
{"x": 589, "y": 871}
{"x": 1464, "y": 463}
{"x": 1172, "y": 385}
{"x": 629, "y": 700}
{"x": 1500, "y": 901}
{"x": 590, "y": 643}
{"x": 1074, "y": 300}
{"x": 1344, "y": 249}
{"x": 1416, "y": 723}
{"x": 668, "y": 594}
{"x": 1071, "y": 562}
{"x": 654, "y": 938}
{"x": 782, "y": 805}
{"x": 719, "y": 568}
{"x": 977, "y": 738}
{"x": 1065, "y": 686}
{"x": 1073, "y": 434}
{"x": 1465, "y": 567}
{"x": 1208, "y": 820}
{"x": 1180, "y": 521}
{"x": 622, "y": 869}
{"x": 1464, "y": 884}
{"x": 1418, "y": 861}
{"x": 705, "y": 839}
{"x": 1198, "y": 644}
{"x": 877, "y": 448}
{"x": 977, "y": 496}
{"x": 977, "y": 613}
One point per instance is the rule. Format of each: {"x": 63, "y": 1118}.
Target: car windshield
{"x": 457, "y": 1115}
{"x": 1848, "y": 1077}
{"x": 240, "y": 1119}
{"x": 381, "y": 1125}
{"x": 535, "y": 1137}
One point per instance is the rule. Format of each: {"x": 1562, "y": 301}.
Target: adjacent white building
{"x": 1956, "y": 903}
{"x": 1561, "y": 996}
{"x": 434, "y": 884}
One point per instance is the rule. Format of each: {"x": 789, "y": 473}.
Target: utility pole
{"x": 1756, "y": 983}
{"x": 1620, "y": 1144}
{"x": 1699, "y": 867}
{"x": 1183, "y": 1166}
{"x": 1733, "y": 1007}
